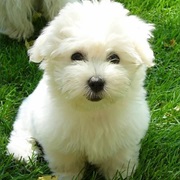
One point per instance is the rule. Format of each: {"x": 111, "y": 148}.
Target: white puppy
{"x": 16, "y": 15}
{"x": 90, "y": 104}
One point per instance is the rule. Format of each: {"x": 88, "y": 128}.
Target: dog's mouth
{"x": 94, "y": 99}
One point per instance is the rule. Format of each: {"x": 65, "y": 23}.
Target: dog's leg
{"x": 16, "y": 19}
{"x": 124, "y": 162}
{"x": 66, "y": 166}
{"x": 22, "y": 145}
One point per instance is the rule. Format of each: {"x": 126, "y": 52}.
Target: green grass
{"x": 160, "y": 152}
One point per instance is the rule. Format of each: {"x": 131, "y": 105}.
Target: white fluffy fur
{"x": 16, "y": 15}
{"x": 71, "y": 128}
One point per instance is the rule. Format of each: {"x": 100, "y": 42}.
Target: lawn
{"x": 160, "y": 152}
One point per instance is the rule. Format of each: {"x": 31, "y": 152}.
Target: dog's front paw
{"x": 22, "y": 148}
{"x": 122, "y": 165}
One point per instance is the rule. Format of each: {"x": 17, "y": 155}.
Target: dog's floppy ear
{"x": 42, "y": 48}
{"x": 141, "y": 32}
{"x": 37, "y": 51}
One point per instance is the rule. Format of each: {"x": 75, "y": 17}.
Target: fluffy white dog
{"x": 90, "y": 104}
{"x": 16, "y": 15}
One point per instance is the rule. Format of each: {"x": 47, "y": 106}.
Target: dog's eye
{"x": 113, "y": 58}
{"x": 77, "y": 57}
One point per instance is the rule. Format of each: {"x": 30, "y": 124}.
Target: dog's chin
{"x": 94, "y": 97}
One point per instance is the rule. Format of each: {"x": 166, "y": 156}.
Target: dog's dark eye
{"x": 77, "y": 57}
{"x": 113, "y": 58}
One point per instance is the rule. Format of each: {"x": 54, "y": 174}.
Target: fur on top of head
{"x": 93, "y": 21}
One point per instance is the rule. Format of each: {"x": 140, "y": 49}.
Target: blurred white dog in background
{"x": 16, "y": 15}
{"x": 90, "y": 105}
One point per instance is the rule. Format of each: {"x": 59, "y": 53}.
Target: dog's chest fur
{"x": 94, "y": 135}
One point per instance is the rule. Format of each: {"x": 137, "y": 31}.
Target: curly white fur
{"x": 16, "y": 15}
{"x": 61, "y": 114}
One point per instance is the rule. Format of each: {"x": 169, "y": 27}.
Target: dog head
{"x": 94, "y": 51}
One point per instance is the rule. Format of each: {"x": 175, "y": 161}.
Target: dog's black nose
{"x": 96, "y": 84}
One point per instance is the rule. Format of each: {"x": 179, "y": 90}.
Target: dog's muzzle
{"x": 96, "y": 87}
